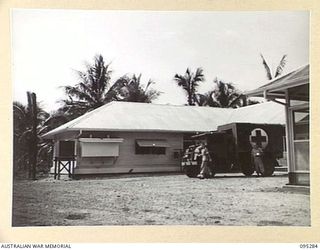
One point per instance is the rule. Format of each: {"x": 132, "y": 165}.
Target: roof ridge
{"x": 170, "y": 105}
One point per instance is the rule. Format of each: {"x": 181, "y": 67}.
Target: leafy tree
{"x": 92, "y": 91}
{"x": 190, "y": 82}
{"x": 130, "y": 89}
{"x": 278, "y": 70}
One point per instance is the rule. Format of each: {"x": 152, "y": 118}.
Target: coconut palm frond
{"x": 121, "y": 82}
{"x": 201, "y": 99}
{"x": 150, "y": 82}
{"x": 281, "y": 66}
{"x": 181, "y": 80}
{"x": 266, "y": 67}
{"x": 131, "y": 89}
{"x": 152, "y": 95}
{"x": 93, "y": 88}
{"x": 236, "y": 100}
{"x": 79, "y": 94}
{"x": 20, "y": 108}
{"x": 199, "y": 76}
{"x": 190, "y": 82}
{"x": 224, "y": 95}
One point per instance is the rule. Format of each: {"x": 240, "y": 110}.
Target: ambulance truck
{"x": 230, "y": 148}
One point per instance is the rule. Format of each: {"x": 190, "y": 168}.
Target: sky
{"x": 48, "y": 46}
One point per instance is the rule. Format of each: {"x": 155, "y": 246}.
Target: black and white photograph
{"x": 148, "y": 118}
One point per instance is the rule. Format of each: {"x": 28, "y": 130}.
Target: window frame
{"x": 149, "y": 150}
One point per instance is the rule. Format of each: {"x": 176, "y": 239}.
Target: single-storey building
{"x": 125, "y": 137}
{"x": 293, "y": 89}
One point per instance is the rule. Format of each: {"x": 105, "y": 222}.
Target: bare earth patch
{"x": 226, "y": 200}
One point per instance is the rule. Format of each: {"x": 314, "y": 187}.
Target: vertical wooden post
{"x": 69, "y": 168}
{"x": 55, "y": 167}
{"x": 289, "y": 135}
{"x": 59, "y": 163}
{"x": 73, "y": 162}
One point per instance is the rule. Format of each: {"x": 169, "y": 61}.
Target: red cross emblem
{"x": 260, "y": 137}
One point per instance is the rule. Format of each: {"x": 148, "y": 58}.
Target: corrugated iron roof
{"x": 268, "y": 112}
{"x": 131, "y": 116}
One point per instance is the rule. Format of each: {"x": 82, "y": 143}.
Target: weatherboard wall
{"x": 130, "y": 162}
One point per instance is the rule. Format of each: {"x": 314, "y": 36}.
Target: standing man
{"x": 197, "y": 152}
{"x": 205, "y": 157}
{"x": 257, "y": 154}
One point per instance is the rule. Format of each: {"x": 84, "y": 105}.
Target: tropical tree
{"x": 21, "y": 163}
{"x": 30, "y": 151}
{"x": 190, "y": 82}
{"x": 278, "y": 70}
{"x": 56, "y": 118}
{"x": 224, "y": 95}
{"x": 130, "y": 89}
{"x": 92, "y": 91}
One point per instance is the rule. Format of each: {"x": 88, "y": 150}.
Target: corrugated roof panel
{"x": 128, "y": 116}
{"x": 268, "y": 112}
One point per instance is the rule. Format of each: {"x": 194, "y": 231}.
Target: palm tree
{"x": 224, "y": 95}
{"x": 278, "y": 70}
{"x": 190, "y": 82}
{"x": 92, "y": 91}
{"x": 29, "y": 149}
{"x": 130, "y": 89}
{"x": 55, "y": 119}
{"x": 21, "y": 123}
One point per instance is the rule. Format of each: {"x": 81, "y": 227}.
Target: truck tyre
{"x": 192, "y": 171}
{"x": 247, "y": 171}
{"x": 246, "y": 165}
{"x": 268, "y": 166}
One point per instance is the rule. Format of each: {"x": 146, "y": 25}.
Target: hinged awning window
{"x": 153, "y": 143}
{"x": 96, "y": 147}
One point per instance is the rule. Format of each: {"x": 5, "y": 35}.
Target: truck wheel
{"x": 268, "y": 166}
{"x": 247, "y": 172}
{"x": 192, "y": 171}
{"x": 246, "y": 166}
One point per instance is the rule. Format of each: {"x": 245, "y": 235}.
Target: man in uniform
{"x": 189, "y": 153}
{"x": 257, "y": 154}
{"x": 197, "y": 152}
{"x": 205, "y": 171}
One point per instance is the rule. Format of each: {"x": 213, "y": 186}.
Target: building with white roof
{"x": 125, "y": 137}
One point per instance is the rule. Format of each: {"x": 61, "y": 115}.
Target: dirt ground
{"x": 227, "y": 199}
